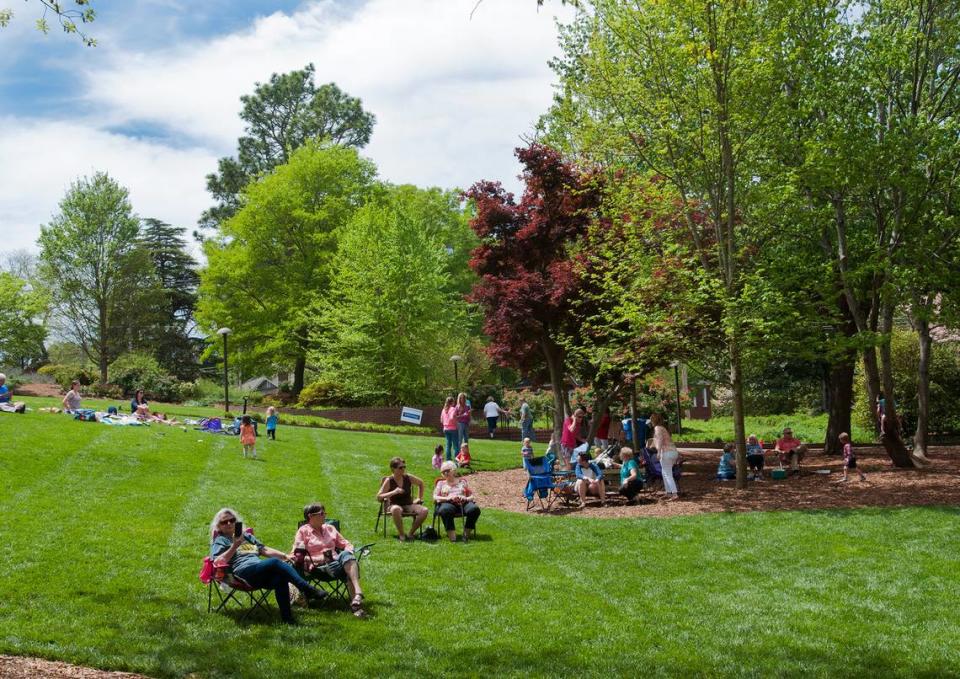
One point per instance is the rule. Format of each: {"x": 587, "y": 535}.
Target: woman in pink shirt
{"x": 448, "y": 420}
{"x": 318, "y": 548}
{"x": 463, "y": 418}
{"x": 570, "y": 436}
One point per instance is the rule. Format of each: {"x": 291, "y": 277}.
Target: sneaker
{"x": 314, "y": 595}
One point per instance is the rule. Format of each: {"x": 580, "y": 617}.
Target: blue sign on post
{"x": 411, "y": 415}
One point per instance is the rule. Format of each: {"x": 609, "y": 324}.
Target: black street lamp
{"x": 223, "y": 332}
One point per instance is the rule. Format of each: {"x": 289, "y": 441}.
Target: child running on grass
{"x": 248, "y": 437}
{"x": 272, "y": 420}
{"x": 849, "y": 459}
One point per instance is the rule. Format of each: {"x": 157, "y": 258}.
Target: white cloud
{"x": 452, "y": 96}
{"x": 163, "y": 182}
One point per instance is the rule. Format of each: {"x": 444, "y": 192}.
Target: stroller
{"x": 652, "y": 465}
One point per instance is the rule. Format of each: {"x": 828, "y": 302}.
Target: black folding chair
{"x": 384, "y": 513}
{"x": 237, "y": 593}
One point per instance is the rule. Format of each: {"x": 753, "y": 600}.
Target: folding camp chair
{"x": 540, "y": 480}
{"x": 317, "y": 575}
{"x": 234, "y": 592}
{"x": 384, "y": 513}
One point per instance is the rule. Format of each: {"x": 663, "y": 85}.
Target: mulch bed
{"x": 12, "y": 667}
{"x": 700, "y": 492}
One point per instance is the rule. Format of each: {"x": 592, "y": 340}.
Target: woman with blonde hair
{"x": 449, "y": 494}
{"x": 667, "y": 454}
{"x": 242, "y": 553}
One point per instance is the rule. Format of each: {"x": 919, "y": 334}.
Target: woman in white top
{"x": 666, "y": 453}
{"x": 492, "y": 411}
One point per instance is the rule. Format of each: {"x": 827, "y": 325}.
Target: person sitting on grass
{"x": 727, "y": 471}
{"x": 452, "y": 493}
{"x": 849, "y": 459}
{"x": 4, "y": 389}
{"x": 463, "y": 457}
{"x": 755, "y": 458}
{"x": 631, "y": 479}
{"x": 396, "y": 489}
{"x": 437, "y": 457}
{"x": 324, "y": 550}
{"x": 71, "y": 400}
{"x": 242, "y": 554}
{"x": 589, "y": 480}
{"x": 791, "y": 450}
{"x": 138, "y": 400}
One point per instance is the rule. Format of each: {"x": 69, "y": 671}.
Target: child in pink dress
{"x": 248, "y": 437}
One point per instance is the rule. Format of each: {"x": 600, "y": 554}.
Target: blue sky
{"x": 155, "y": 103}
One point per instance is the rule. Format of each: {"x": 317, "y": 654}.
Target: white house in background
{"x": 261, "y": 384}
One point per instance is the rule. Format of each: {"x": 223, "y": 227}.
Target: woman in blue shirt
{"x": 589, "y": 480}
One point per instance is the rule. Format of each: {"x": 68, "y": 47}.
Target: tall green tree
{"x": 22, "y": 328}
{"x": 176, "y": 275}
{"x": 393, "y": 312}
{"x": 680, "y": 90}
{"x": 281, "y": 116}
{"x": 93, "y": 263}
{"x": 273, "y": 261}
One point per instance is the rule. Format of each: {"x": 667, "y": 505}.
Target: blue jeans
{"x": 526, "y": 430}
{"x": 453, "y": 443}
{"x": 276, "y": 575}
{"x": 463, "y": 429}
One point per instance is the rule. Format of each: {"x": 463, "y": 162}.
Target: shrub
{"x": 63, "y": 375}
{"x": 136, "y": 370}
{"x": 944, "y": 385}
{"x": 324, "y": 393}
{"x": 102, "y": 390}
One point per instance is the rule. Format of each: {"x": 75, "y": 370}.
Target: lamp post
{"x": 455, "y": 359}
{"x": 223, "y": 332}
{"x": 676, "y": 377}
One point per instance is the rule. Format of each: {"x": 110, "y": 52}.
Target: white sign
{"x": 411, "y": 415}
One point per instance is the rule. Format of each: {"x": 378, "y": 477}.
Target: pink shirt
{"x": 448, "y": 418}
{"x": 568, "y": 439}
{"x": 463, "y": 413}
{"x": 328, "y": 538}
{"x": 455, "y": 490}
{"x": 787, "y": 444}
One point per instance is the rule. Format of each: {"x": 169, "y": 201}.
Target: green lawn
{"x": 104, "y": 530}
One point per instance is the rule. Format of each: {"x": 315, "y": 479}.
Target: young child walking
{"x": 272, "y": 420}
{"x": 248, "y": 437}
{"x": 849, "y": 459}
{"x": 526, "y": 450}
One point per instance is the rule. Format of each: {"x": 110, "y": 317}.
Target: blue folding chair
{"x": 540, "y": 482}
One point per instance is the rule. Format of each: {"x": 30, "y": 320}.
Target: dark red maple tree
{"x": 525, "y": 262}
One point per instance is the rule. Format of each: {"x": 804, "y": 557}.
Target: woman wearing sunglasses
{"x": 252, "y": 561}
{"x": 397, "y": 490}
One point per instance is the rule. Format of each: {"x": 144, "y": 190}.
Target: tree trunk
{"x": 103, "y": 359}
{"x": 871, "y": 373}
{"x": 600, "y": 405}
{"x": 839, "y": 402}
{"x": 739, "y": 429}
{"x": 890, "y": 431}
{"x": 923, "y": 388}
{"x": 299, "y": 368}
{"x": 554, "y": 358}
